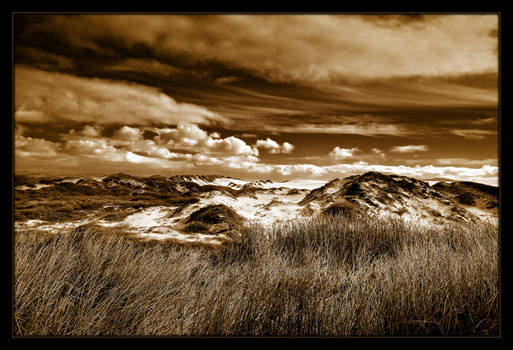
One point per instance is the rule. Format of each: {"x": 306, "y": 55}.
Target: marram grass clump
{"x": 328, "y": 276}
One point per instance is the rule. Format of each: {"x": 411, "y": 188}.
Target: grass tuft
{"x": 329, "y": 276}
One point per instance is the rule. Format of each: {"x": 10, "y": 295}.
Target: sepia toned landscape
{"x": 256, "y": 175}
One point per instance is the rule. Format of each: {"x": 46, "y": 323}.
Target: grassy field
{"x": 329, "y": 276}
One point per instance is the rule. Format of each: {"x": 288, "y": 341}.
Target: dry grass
{"x": 326, "y": 276}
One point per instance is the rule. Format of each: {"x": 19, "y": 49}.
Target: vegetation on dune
{"x": 327, "y": 276}
{"x": 213, "y": 219}
{"x": 52, "y": 205}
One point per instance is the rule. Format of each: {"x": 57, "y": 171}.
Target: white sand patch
{"x": 229, "y": 182}
{"x": 237, "y": 183}
{"x": 408, "y": 218}
{"x": 133, "y": 182}
{"x": 74, "y": 181}
{"x": 50, "y": 227}
{"x": 281, "y": 212}
{"x": 264, "y": 207}
{"x": 37, "y": 187}
{"x": 187, "y": 238}
{"x": 34, "y": 222}
{"x": 180, "y": 188}
{"x": 244, "y": 206}
{"x": 155, "y": 223}
{"x": 149, "y": 217}
{"x": 303, "y": 184}
{"x": 483, "y": 214}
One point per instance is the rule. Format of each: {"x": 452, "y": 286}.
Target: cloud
{"x": 274, "y": 147}
{"x": 287, "y": 147}
{"x": 230, "y": 145}
{"x": 409, "y": 149}
{"x": 54, "y": 97}
{"x": 473, "y": 134}
{"x": 342, "y": 153}
{"x": 128, "y": 134}
{"x": 331, "y": 46}
{"x": 365, "y": 129}
{"x": 92, "y": 153}
{"x": 149, "y": 65}
{"x": 299, "y": 170}
{"x": 228, "y": 80}
{"x": 484, "y": 121}
{"x": 35, "y": 147}
{"x": 30, "y": 116}
{"x": 192, "y": 138}
{"x": 138, "y": 159}
{"x": 467, "y": 162}
{"x": 486, "y": 174}
{"x": 43, "y": 59}
{"x": 247, "y": 135}
{"x": 92, "y": 131}
{"x": 378, "y": 152}
{"x": 95, "y": 148}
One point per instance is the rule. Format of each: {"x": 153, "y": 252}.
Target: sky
{"x": 254, "y": 96}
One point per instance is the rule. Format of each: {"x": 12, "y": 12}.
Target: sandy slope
{"x": 267, "y": 202}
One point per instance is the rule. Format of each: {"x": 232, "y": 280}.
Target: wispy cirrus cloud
{"x": 365, "y": 129}
{"x": 474, "y": 134}
{"x": 466, "y": 162}
{"x": 409, "y": 149}
{"x": 485, "y": 121}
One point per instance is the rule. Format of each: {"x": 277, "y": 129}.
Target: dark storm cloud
{"x": 146, "y": 50}
{"x": 280, "y": 48}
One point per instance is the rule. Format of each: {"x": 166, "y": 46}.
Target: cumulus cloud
{"x": 485, "y": 174}
{"x": 191, "y": 137}
{"x": 35, "y": 147}
{"x": 95, "y": 148}
{"x": 50, "y": 97}
{"x": 274, "y": 147}
{"x": 343, "y": 153}
{"x": 378, "y": 152}
{"x": 128, "y": 134}
{"x": 287, "y": 147}
{"x": 230, "y": 145}
{"x": 300, "y": 170}
{"x": 409, "y": 149}
{"x": 90, "y": 130}
{"x": 93, "y": 152}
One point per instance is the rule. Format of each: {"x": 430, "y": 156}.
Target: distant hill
{"x": 217, "y": 205}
